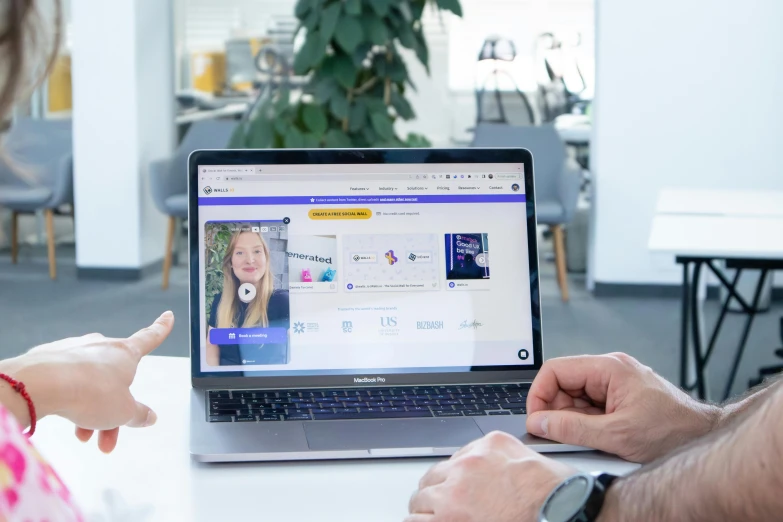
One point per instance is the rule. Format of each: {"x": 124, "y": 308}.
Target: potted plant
{"x": 357, "y": 79}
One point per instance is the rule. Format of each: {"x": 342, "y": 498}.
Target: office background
{"x": 678, "y": 95}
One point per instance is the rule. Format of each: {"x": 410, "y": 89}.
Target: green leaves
{"x": 311, "y": 54}
{"x": 357, "y": 116}
{"x": 406, "y": 36}
{"x": 339, "y": 106}
{"x": 417, "y": 140}
{"x": 293, "y": 138}
{"x": 353, "y": 68}
{"x": 450, "y": 5}
{"x": 396, "y": 69}
{"x": 325, "y": 89}
{"x": 402, "y": 106}
{"x": 422, "y": 51}
{"x": 314, "y": 119}
{"x": 337, "y": 139}
{"x": 349, "y": 33}
{"x": 375, "y": 29}
{"x": 382, "y": 125}
{"x": 260, "y": 133}
{"x": 303, "y": 7}
{"x": 238, "y": 140}
{"x": 310, "y": 141}
{"x": 381, "y": 7}
{"x": 344, "y": 71}
{"x": 417, "y": 8}
{"x": 329, "y": 18}
{"x": 353, "y": 7}
{"x": 361, "y": 53}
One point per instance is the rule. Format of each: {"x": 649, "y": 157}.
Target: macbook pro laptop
{"x": 361, "y": 303}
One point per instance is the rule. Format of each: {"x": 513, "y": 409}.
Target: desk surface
{"x": 150, "y": 476}
{"x": 574, "y": 128}
{"x": 231, "y": 110}
{"x": 719, "y": 223}
{"x": 717, "y": 236}
{"x": 748, "y": 203}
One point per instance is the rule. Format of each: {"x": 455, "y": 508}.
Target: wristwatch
{"x": 577, "y": 499}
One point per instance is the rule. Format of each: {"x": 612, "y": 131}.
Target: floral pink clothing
{"x": 30, "y": 490}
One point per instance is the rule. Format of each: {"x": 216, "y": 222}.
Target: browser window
{"x": 332, "y": 269}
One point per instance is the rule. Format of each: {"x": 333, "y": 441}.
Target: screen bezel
{"x": 476, "y": 374}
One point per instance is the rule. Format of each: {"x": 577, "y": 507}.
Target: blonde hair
{"x": 229, "y": 307}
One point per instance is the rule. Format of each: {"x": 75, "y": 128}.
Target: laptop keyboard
{"x": 366, "y": 403}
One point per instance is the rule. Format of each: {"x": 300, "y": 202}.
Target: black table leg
{"x": 698, "y": 356}
{"x": 724, "y": 309}
{"x": 686, "y": 294}
{"x": 746, "y": 331}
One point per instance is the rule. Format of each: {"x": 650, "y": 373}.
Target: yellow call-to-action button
{"x": 340, "y": 213}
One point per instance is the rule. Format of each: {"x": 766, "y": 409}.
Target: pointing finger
{"x": 147, "y": 339}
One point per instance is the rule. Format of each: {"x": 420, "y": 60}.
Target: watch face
{"x": 568, "y": 500}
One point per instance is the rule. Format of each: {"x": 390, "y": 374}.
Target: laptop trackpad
{"x": 393, "y": 433}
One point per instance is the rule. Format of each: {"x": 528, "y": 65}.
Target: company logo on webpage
{"x": 207, "y": 190}
{"x": 473, "y": 325}
{"x": 429, "y": 325}
{"x": 389, "y": 327}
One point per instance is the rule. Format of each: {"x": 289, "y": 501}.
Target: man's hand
{"x": 496, "y": 478}
{"x": 615, "y": 404}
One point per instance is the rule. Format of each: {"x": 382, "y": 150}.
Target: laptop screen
{"x": 363, "y": 269}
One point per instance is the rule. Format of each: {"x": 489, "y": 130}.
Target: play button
{"x": 247, "y": 292}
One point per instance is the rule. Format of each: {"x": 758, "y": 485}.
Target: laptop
{"x": 349, "y": 304}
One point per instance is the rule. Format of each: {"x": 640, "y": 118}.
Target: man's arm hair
{"x": 732, "y": 410}
{"x": 735, "y": 473}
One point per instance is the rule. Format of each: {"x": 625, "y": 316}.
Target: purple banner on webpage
{"x": 353, "y": 200}
{"x": 248, "y": 335}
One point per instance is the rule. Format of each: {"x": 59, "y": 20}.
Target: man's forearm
{"x": 734, "y": 409}
{"x": 736, "y": 473}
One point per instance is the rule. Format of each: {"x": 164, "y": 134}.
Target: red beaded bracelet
{"x": 18, "y": 387}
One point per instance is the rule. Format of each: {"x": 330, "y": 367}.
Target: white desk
{"x": 574, "y": 129}
{"x": 231, "y": 110}
{"x": 150, "y": 476}
{"x": 744, "y": 228}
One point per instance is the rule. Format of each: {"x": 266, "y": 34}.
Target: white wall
{"x": 123, "y": 118}
{"x": 688, "y": 95}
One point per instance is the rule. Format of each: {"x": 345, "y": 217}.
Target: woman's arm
{"x": 86, "y": 380}
{"x": 213, "y": 351}
{"x": 43, "y": 389}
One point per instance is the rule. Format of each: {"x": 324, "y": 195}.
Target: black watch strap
{"x": 605, "y": 479}
{"x": 593, "y": 502}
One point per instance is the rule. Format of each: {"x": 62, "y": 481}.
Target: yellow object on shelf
{"x": 60, "y": 94}
{"x": 209, "y": 72}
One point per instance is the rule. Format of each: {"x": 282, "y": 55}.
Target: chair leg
{"x": 14, "y": 237}
{"x": 560, "y": 260}
{"x": 49, "y": 215}
{"x": 169, "y": 251}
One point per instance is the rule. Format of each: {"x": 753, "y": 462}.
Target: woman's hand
{"x": 86, "y": 380}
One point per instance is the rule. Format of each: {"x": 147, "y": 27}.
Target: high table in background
{"x": 739, "y": 229}
{"x": 150, "y": 476}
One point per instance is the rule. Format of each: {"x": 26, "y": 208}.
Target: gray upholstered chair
{"x": 557, "y": 179}
{"x": 39, "y": 177}
{"x": 169, "y": 177}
